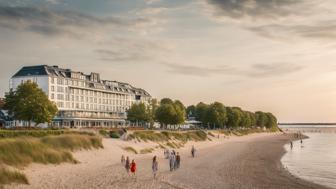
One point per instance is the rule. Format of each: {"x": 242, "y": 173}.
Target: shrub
{"x": 114, "y": 134}
{"x": 103, "y": 132}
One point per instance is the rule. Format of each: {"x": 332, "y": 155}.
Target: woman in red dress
{"x": 133, "y": 167}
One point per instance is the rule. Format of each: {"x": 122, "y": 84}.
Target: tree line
{"x": 214, "y": 115}
{"x": 29, "y": 103}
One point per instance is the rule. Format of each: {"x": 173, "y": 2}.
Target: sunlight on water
{"x": 314, "y": 160}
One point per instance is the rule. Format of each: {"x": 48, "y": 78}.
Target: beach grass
{"x": 7, "y": 176}
{"x": 211, "y": 134}
{"x": 165, "y": 136}
{"x": 38, "y": 133}
{"x": 130, "y": 149}
{"x": 22, "y": 151}
{"x": 146, "y": 151}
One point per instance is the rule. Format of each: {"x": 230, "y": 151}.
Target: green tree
{"x": 253, "y": 119}
{"x": 246, "y": 119}
{"x": 216, "y": 115}
{"x": 200, "y": 112}
{"x": 170, "y": 112}
{"x": 261, "y": 119}
{"x": 165, "y": 114}
{"x": 138, "y": 113}
{"x": 166, "y": 101}
{"x": 29, "y": 103}
{"x": 235, "y": 116}
{"x": 180, "y": 112}
{"x": 271, "y": 121}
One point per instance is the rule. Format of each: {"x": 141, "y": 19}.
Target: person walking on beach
{"x": 172, "y": 160}
{"x": 193, "y": 151}
{"x": 155, "y": 166}
{"x": 178, "y": 160}
{"x": 133, "y": 167}
{"x": 123, "y": 160}
{"x": 291, "y": 145}
{"x": 127, "y": 165}
{"x": 167, "y": 154}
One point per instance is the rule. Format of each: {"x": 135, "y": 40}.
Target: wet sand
{"x": 239, "y": 162}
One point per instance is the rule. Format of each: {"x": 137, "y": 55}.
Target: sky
{"x": 271, "y": 55}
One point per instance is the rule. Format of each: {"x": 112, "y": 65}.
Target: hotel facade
{"x": 82, "y": 100}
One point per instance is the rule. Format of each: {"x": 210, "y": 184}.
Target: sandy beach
{"x": 237, "y": 162}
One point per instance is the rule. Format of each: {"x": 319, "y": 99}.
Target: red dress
{"x": 133, "y": 167}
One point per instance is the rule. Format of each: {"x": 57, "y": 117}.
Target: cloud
{"x": 199, "y": 71}
{"x": 278, "y": 19}
{"x": 132, "y": 50}
{"x": 273, "y": 69}
{"x": 256, "y": 9}
{"x": 121, "y": 56}
{"x": 318, "y": 30}
{"x": 52, "y": 22}
{"x": 260, "y": 70}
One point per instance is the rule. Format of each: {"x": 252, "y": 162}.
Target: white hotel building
{"x": 82, "y": 100}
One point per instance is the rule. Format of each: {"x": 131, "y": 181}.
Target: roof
{"x": 31, "y": 70}
{"x": 93, "y": 78}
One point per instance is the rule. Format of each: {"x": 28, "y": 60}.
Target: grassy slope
{"x": 7, "y": 177}
{"x": 21, "y": 151}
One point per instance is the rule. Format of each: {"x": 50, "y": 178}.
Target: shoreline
{"x": 237, "y": 162}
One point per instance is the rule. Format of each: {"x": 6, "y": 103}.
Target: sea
{"x": 314, "y": 159}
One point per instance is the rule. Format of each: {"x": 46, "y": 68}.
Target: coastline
{"x": 252, "y": 161}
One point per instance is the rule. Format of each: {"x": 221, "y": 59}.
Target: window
{"x": 60, "y": 97}
{"x": 52, "y": 96}
{"x": 52, "y": 80}
{"x": 60, "y": 89}
{"x": 52, "y": 88}
{"x": 59, "y": 81}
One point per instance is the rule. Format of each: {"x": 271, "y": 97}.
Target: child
{"x": 123, "y": 160}
{"x": 155, "y": 166}
{"x": 178, "y": 160}
{"x": 133, "y": 167}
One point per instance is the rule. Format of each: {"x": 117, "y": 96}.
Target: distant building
{"x": 82, "y": 100}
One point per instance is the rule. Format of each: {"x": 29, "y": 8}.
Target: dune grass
{"x": 175, "y": 145}
{"x": 22, "y": 151}
{"x": 211, "y": 134}
{"x": 146, "y": 151}
{"x": 165, "y": 136}
{"x": 130, "y": 149}
{"x": 7, "y": 177}
{"x": 38, "y": 133}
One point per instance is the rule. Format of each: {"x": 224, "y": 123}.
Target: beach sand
{"x": 238, "y": 162}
